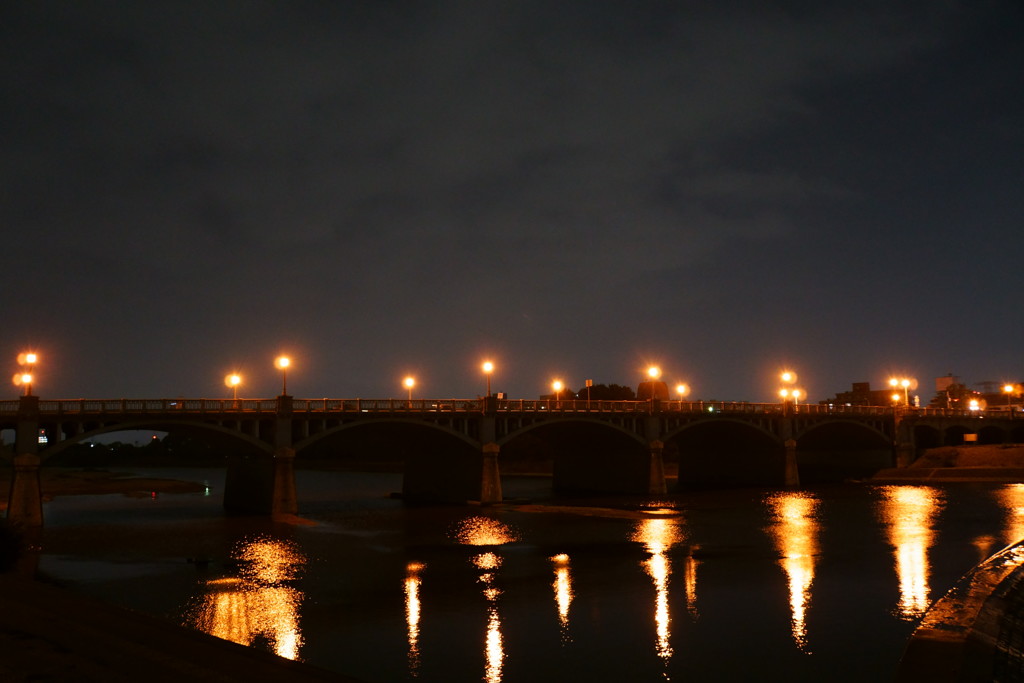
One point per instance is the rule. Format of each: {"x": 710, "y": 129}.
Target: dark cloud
{"x": 572, "y": 187}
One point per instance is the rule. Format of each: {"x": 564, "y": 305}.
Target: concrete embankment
{"x": 995, "y": 463}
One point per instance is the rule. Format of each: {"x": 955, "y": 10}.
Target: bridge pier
{"x": 284, "y": 500}
{"x": 657, "y": 485}
{"x": 25, "y": 501}
{"x": 264, "y": 484}
{"x": 490, "y": 476}
{"x": 791, "y": 475}
{"x": 904, "y": 454}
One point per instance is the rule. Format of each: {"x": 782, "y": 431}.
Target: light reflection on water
{"x": 412, "y": 613}
{"x": 486, "y": 531}
{"x": 258, "y": 604}
{"x": 909, "y": 513}
{"x": 463, "y": 596}
{"x": 795, "y": 530}
{"x": 1011, "y": 499}
{"x": 563, "y": 593}
{"x": 658, "y": 536}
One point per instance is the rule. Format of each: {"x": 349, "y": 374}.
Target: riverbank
{"x": 60, "y": 481}
{"x": 50, "y": 634}
{"x": 990, "y": 463}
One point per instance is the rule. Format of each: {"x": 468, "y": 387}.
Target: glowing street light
{"x": 282, "y": 363}
{"x": 557, "y": 387}
{"x": 488, "y": 368}
{"x": 24, "y": 379}
{"x": 906, "y": 383}
{"x": 1009, "y": 390}
{"x": 27, "y": 361}
{"x": 788, "y": 377}
{"x": 233, "y": 380}
{"x": 409, "y": 383}
{"x": 683, "y": 390}
{"x": 654, "y": 372}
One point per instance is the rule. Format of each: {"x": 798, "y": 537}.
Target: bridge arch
{"x": 725, "y": 452}
{"x": 318, "y": 441}
{"x": 226, "y": 438}
{"x": 991, "y": 434}
{"x": 585, "y": 455}
{"x": 438, "y": 462}
{"x": 833, "y": 450}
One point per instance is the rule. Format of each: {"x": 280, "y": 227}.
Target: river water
{"x": 810, "y": 585}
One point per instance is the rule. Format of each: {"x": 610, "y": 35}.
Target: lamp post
{"x": 488, "y": 368}
{"x": 556, "y": 387}
{"x": 906, "y": 383}
{"x": 653, "y": 374}
{"x": 27, "y": 361}
{"x": 25, "y": 380}
{"x": 283, "y": 363}
{"x": 409, "y": 383}
{"x": 233, "y": 380}
{"x": 1008, "y": 389}
{"x": 683, "y": 390}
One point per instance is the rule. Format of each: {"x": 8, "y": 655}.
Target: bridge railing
{"x": 149, "y": 406}
{"x": 259, "y": 406}
{"x": 386, "y": 405}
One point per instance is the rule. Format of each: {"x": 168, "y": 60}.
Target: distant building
{"x": 863, "y": 395}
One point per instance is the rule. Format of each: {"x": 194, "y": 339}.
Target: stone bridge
{"x": 452, "y": 448}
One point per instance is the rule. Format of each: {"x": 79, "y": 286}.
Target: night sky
{"x": 571, "y": 189}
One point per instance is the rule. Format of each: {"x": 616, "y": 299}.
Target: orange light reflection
{"x": 1011, "y": 499}
{"x": 658, "y": 536}
{"x": 563, "y": 593}
{"x": 484, "y": 531}
{"x": 257, "y": 604}
{"x": 412, "y": 614}
{"x": 909, "y": 512}
{"x": 795, "y": 530}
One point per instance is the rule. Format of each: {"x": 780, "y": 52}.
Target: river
{"x": 810, "y": 585}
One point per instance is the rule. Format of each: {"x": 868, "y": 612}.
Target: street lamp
{"x": 488, "y": 368}
{"x": 1009, "y": 390}
{"x": 557, "y": 386}
{"x": 283, "y": 363}
{"x": 906, "y": 383}
{"x": 233, "y": 380}
{"x": 683, "y": 390}
{"x": 409, "y": 383}
{"x": 24, "y": 379}
{"x": 27, "y": 361}
{"x": 788, "y": 377}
